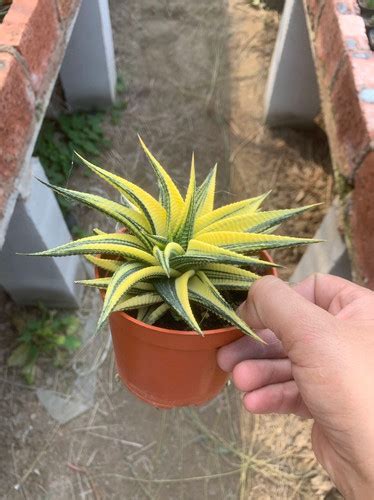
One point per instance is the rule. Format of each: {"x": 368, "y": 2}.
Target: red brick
{"x": 16, "y": 121}
{"x": 67, "y": 8}
{"x": 362, "y": 222}
{"x": 352, "y": 136}
{"x": 31, "y": 26}
{"x": 363, "y": 71}
{"x": 346, "y": 7}
{"x": 313, "y": 8}
{"x": 337, "y": 35}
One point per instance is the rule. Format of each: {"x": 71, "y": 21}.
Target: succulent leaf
{"x": 202, "y": 290}
{"x": 175, "y": 293}
{"x": 256, "y": 222}
{"x": 146, "y": 299}
{"x": 187, "y": 220}
{"x": 205, "y": 194}
{"x": 121, "y": 282}
{"x": 250, "y": 242}
{"x": 153, "y": 211}
{"x": 154, "y": 314}
{"x": 172, "y": 199}
{"x": 108, "y": 244}
{"x": 134, "y": 221}
{"x": 106, "y": 264}
{"x": 248, "y": 206}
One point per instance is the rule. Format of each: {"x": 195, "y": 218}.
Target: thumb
{"x": 273, "y": 304}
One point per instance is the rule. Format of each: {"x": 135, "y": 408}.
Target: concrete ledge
{"x": 291, "y": 96}
{"x": 88, "y": 72}
{"x": 37, "y": 224}
{"x": 331, "y": 256}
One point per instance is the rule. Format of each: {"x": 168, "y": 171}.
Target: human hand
{"x": 318, "y": 363}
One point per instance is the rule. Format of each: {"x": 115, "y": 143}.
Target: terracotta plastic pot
{"x": 169, "y": 368}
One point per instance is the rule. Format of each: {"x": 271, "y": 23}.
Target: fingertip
{"x": 252, "y": 402}
{"x": 224, "y": 358}
{"x": 240, "y": 376}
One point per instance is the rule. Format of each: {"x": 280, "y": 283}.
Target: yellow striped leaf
{"x": 111, "y": 244}
{"x": 134, "y": 221}
{"x": 154, "y": 212}
{"x": 164, "y": 263}
{"x": 230, "y": 284}
{"x": 127, "y": 276}
{"x": 172, "y": 199}
{"x": 155, "y": 313}
{"x": 175, "y": 293}
{"x": 205, "y": 194}
{"x": 255, "y": 222}
{"x": 187, "y": 220}
{"x": 239, "y": 208}
{"x": 106, "y": 264}
{"x": 146, "y": 299}
{"x": 226, "y": 271}
{"x": 96, "y": 282}
{"x": 96, "y": 230}
{"x": 201, "y": 253}
{"x": 250, "y": 242}
{"x": 204, "y": 292}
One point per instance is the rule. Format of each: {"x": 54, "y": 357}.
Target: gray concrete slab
{"x": 88, "y": 71}
{"x": 37, "y": 224}
{"x": 330, "y": 256}
{"x": 292, "y": 96}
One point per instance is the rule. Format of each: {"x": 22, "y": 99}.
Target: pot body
{"x": 170, "y": 368}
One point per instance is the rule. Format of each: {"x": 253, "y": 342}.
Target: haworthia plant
{"x": 176, "y": 250}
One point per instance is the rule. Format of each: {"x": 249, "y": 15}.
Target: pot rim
{"x": 158, "y": 329}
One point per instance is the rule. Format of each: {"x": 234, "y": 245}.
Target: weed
{"x": 47, "y": 333}
{"x": 82, "y": 132}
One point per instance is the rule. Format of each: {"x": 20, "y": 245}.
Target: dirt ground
{"x": 195, "y": 75}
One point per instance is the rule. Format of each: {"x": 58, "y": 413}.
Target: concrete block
{"x": 88, "y": 72}
{"x": 292, "y": 96}
{"x": 328, "y": 257}
{"x": 37, "y": 224}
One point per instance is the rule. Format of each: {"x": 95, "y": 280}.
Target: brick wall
{"x": 345, "y": 70}
{"x": 33, "y": 38}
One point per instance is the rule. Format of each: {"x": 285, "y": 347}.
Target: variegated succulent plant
{"x": 175, "y": 251}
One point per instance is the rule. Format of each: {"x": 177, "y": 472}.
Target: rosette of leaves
{"x": 176, "y": 250}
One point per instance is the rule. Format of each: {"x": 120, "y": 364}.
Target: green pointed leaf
{"x": 164, "y": 263}
{"x": 149, "y": 206}
{"x": 127, "y": 276}
{"x": 204, "y": 292}
{"x": 110, "y": 244}
{"x": 175, "y": 293}
{"x": 200, "y": 253}
{"x": 95, "y": 282}
{"x": 250, "y": 242}
{"x": 144, "y": 300}
{"x": 155, "y": 313}
{"x": 231, "y": 284}
{"x": 227, "y": 272}
{"x": 134, "y": 221}
{"x": 170, "y": 195}
{"x": 187, "y": 220}
{"x": 205, "y": 194}
{"x": 20, "y": 355}
{"x": 239, "y": 208}
{"x": 256, "y": 222}
{"x": 106, "y": 264}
